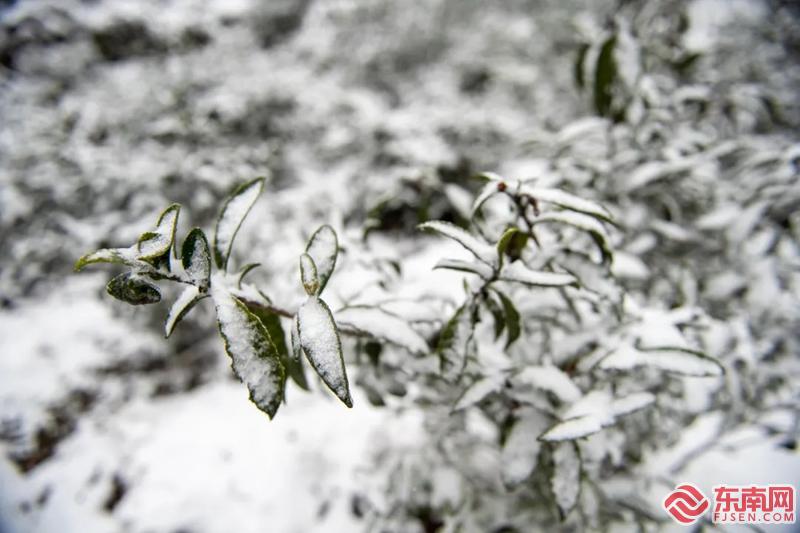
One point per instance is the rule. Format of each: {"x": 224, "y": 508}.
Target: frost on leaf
{"x": 519, "y": 273}
{"x": 320, "y": 341}
{"x": 124, "y": 256}
{"x": 295, "y": 337}
{"x": 472, "y": 267}
{"x": 455, "y": 343}
{"x": 567, "y": 201}
{"x": 308, "y": 275}
{"x": 479, "y": 249}
{"x": 479, "y": 390}
{"x": 383, "y": 325}
{"x": 254, "y": 358}
{"x": 521, "y": 449}
{"x": 674, "y": 360}
{"x": 323, "y": 247}
{"x": 190, "y": 296}
{"x": 552, "y": 379}
{"x": 196, "y": 258}
{"x": 566, "y": 480}
{"x": 511, "y": 317}
{"x": 132, "y": 289}
{"x": 156, "y": 243}
{"x": 230, "y": 218}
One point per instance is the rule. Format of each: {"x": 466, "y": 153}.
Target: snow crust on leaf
{"x": 254, "y": 358}
{"x": 382, "y": 325}
{"x": 159, "y": 241}
{"x": 567, "y": 201}
{"x": 186, "y": 300}
{"x": 489, "y": 190}
{"x": 126, "y": 256}
{"x": 521, "y": 449}
{"x": 676, "y": 360}
{"x": 320, "y": 341}
{"x": 308, "y": 275}
{"x": 552, "y": 379}
{"x": 323, "y": 247}
{"x": 479, "y": 390}
{"x": 473, "y": 267}
{"x": 196, "y": 258}
{"x": 573, "y": 428}
{"x": 479, "y": 249}
{"x": 631, "y": 403}
{"x": 566, "y": 480}
{"x": 295, "y": 337}
{"x": 518, "y": 272}
{"x": 230, "y": 218}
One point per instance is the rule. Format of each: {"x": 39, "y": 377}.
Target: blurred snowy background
{"x": 370, "y": 115}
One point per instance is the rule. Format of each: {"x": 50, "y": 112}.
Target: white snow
{"x": 383, "y": 325}
{"x": 232, "y": 216}
{"x": 323, "y": 247}
{"x": 518, "y": 272}
{"x": 566, "y": 480}
{"x": 480, "y": 249}
{"x": 186, "y": 299}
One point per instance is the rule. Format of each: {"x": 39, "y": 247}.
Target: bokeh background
{"x": 373, "y": 116}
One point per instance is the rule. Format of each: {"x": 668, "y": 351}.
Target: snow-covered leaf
{"x": 245, "y": 270}
{"x": 473, "y": 267}
{"x": 520, "y": 452}
{"x": 233, "y": 212}
{"x": 254, "y": 358}
{"x": 124, "y": 256}
{"x": 567, "y": 201}
{"x": 297, "y": 350}
{"x": 320, "y": 341}
{"x": 479, "y": 249}
{"x": 583, "y": 222}
{"x": 376, "y": 322}
{"x": 552, "y": 379}
{"x": 566, "y": 480}
{"x": 509, "y": 236}
{"x": 520, "y": 273}
{"x": 323, "y": 247}
{"x": 308, "y": 275}
{"x": 133, "y": 289}
{"x": 186, "y": 300}
{"x": 478, "y": 390}
{"x": 196, "y": 258}
{"x": 489, "y": 190}
{"x": 676, "y": 360}
{"x": 156, "y": 243}
{"x": 631, "y": 403}
{"x": 293, "y": 366}
{"x": 573, "y": 428}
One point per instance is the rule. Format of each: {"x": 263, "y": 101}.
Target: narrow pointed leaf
{"x": 294, "y": 367}
{"x": 123, "y": 256}
{"x": 308, "y": 275}
{"x": 490, "y": 189}
{"x": 254, "y": 358}
{"x": 566, "y": 480}
{"x": 156, "y": 243}
{"x": 520, "y": 273}
{"x": 574, "y": 428}
{"x": 230, "y": 218}
{"x": 133, "y": 289}
{"x": 513, "y": 321}
{"x": 567, "y": 201}
{"x": 520, "y": 452}
{"x": 245, "y": 271}
{"x": 471, "y": 267}
{"x": 196, "y": 259}
{"x": 380, "y": 324}
{"x": 320, "y": 341}
{"x": 479, "y": 249}
{"x": 297, "y": 350}
{"x": 674, "y": 360}
{"x": 455, "y": 342}
{"x": 187, "y": 299}
{"x": 323, "y": 247}
{"x": 582, "y": 222}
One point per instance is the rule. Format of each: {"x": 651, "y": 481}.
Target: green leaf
{"x": 580, "y": 59}
{"x": 124, "y": 256}
{"x": 196, "y": 259}
{"x": 308, "y": 275}
{"x": 233, "y": 212}
{"x": 604, "y": 76}
{"x": 512, "y": 317}
{"x": 479, "y": 249}
{"x": 294, "y": 367}
{"x": 520, "y": 273}
{"x": 133, "y": 289}
{"x": 456, "y": 343}
{"x": 185, "y": 302}
{"x": 511, "y": 244}
{"x": 157, "y": 243}
{"x": 566, "y": 480}
{"x": 319, "y": 339}
{"x": 323, "y": 247}
{"x": 245, "y": 270}
{"x": 496, "y": 310}
{"x": 254, "y": 357}
{"x": 471, "y": 267}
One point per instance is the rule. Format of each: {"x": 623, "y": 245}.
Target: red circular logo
{"x": 686, "y": 503}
